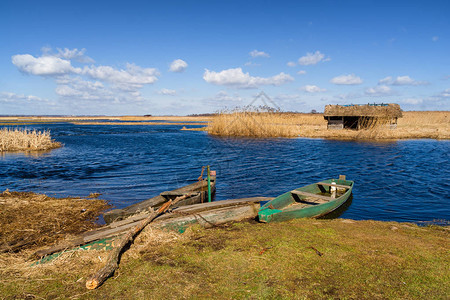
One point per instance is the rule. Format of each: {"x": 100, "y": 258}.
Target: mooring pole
{"x": 209, "y": 184}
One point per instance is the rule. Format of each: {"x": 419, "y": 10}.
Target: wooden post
{"x": 209, "y": 183}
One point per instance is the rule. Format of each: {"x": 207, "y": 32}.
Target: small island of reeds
{"x": 26, "y": 140}
{"x": 257, "y": 123}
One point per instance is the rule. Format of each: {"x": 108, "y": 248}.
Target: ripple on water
{"x": 401, "y": 181}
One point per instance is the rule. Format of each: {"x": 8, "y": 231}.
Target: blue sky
{"x": 185, "y": 57}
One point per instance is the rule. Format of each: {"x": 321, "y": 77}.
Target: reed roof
{"x": 391, "y": 110}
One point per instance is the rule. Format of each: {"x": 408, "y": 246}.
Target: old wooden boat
{"x": 313, "y": 200}
{"x": 207, "y": 214}
{"x": 197, "y": 191}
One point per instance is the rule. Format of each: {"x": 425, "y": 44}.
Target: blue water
{"x": 400, "y": 181}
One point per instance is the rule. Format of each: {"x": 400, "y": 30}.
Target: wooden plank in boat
{"x": 336, "y": 185}
{"x": 301, "y": 193}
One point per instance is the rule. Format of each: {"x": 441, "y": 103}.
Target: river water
{"x": 407, "y": 180}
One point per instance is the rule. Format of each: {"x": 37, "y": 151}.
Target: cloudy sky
{"x": 184, "y": 57}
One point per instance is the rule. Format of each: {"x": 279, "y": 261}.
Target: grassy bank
{"x": 433, "y": 124}
{"x": 305, "y": 258}
{"x": 26, "y": 140}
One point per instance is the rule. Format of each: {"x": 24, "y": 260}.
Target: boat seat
{"x": 172, "y": 193}
{"x": 336, "y": 185}
{"x": 321, "y": 197}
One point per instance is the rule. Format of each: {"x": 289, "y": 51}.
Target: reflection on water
{"x": 12, "y": 154}
{"x": 340, "y": 210}
{"x": 401, "y": 180}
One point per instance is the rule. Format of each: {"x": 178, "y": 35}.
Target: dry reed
{"x": 20, "y": 266}
{"x": 25, "y": 140}
{"x": 257, "y": 122}
{"x": 31, "y": 220}
{"x": 422, "y": 124}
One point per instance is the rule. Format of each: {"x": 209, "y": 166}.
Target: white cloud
{"x": 312, "y": 58}
{"x": 380, "y": 90}
{"x": 167, "y": 92}
{"x": 350, "y": 79}
{"x": 44, "y": 65}
{"x": 401, "y": 80}
{"x": 129, "y": 79}
{"x": 312, "y": 89}
{"x": 102, "y": 83}
{"x": 225, "y": 97}
{"x": 13, "y": 98}
{"x": 256, "y": 53}
{"x": 406, "y": 80}
{"x": 178, "y": 66}
{"x": 251, "y": 64}
{"x": 347, "y": 97}
{"x": 301, "y": 72}
{"x": 76, "y": 87}
{"x": 413, "y": 101}
{"x": 435, "y": 38}
{"x": 72, "y": 54}
{"x": 386, "y": 80}
{"x": 445, "y": 93}
{"x": 291, "y": 64}
{"x": 237, "y": 78}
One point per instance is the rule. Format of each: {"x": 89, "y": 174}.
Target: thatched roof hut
{"x": 390, "y": 110}
{"x": 361, "y": 116}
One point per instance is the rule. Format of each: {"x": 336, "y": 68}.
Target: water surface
{"x": 400, "y": 181}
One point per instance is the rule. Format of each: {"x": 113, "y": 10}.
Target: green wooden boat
{"x": 313, "y": 200}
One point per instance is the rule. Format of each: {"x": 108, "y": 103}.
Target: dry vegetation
{"x": 304, "y": 258}
{"x": 413, "y": 125}
{"x": 301, "y": 259}
{"x": 260, "y": 122}
{"x": 26, "y": 140}
{"x": 29, "y": 220}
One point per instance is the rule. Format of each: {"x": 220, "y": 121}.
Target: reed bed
{"x": 421, "y": 124}
{"x": 260, "y": 123}
{"x": 26, "y": 140}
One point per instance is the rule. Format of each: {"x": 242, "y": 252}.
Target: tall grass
{"x": 23, "y": 140}
{"x": 254, "y": 123}
{"x": 259, "y": 122}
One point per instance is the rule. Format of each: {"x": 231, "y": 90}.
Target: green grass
{"x": 360, "y": 260}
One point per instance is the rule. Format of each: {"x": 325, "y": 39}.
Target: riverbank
{"x": 304, "y": 258}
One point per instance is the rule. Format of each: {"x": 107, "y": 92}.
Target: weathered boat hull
{"x": 179, "y": 219}
{"x": 198, "y": 189}
{"x": 295, "y": 204}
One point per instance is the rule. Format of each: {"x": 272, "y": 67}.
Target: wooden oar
{"x": 113, "y": 260}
